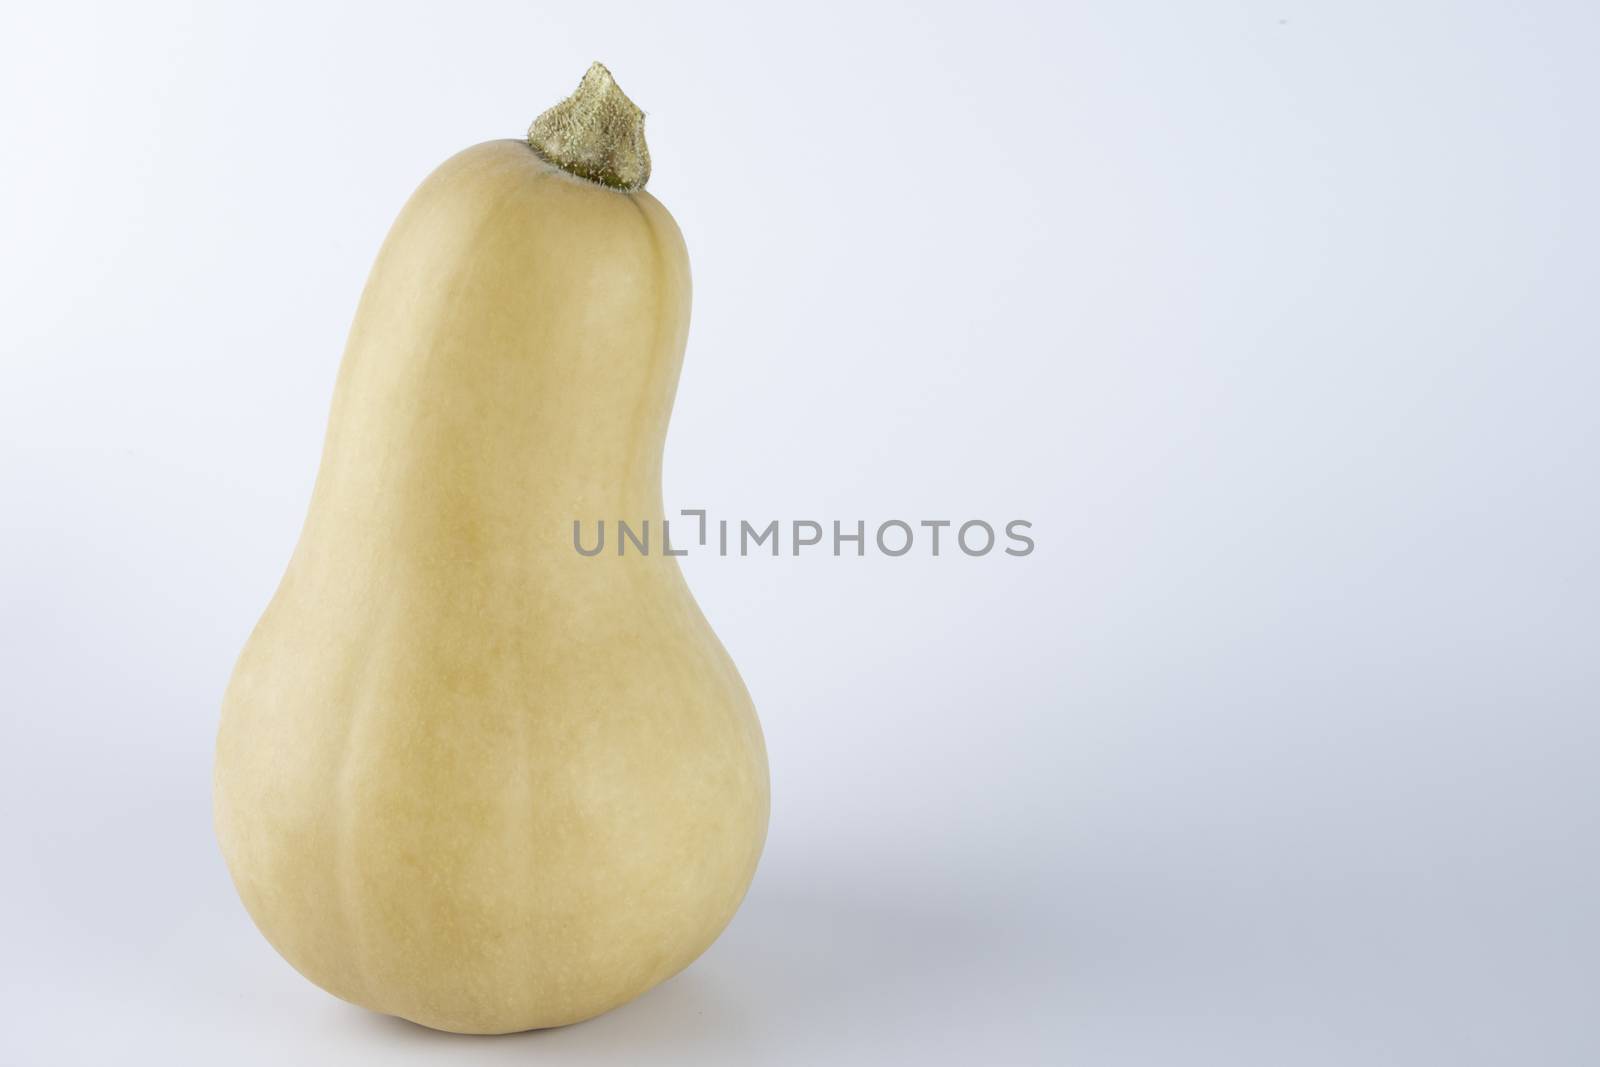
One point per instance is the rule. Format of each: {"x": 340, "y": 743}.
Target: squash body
{"x": 466, "y": 775}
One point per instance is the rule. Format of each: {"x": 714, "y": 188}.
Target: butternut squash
{"x": 464, "y": 774}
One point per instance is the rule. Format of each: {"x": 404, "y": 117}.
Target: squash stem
{"x": 597, "y": 133}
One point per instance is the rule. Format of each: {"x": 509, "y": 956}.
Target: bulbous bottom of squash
{"x": 480, "y": 873}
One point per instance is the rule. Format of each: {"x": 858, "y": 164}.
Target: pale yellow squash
{"x": 466, "y": 775}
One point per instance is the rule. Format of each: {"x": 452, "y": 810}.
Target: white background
{"x": 1278, "y": 320}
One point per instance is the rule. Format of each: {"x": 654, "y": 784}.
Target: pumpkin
{"x": 464, "y": 774}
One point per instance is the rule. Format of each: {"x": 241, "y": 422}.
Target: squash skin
{"x": 465, "y": 775}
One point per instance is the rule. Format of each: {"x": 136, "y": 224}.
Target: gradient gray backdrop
{"x": 1277, "y": 319}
